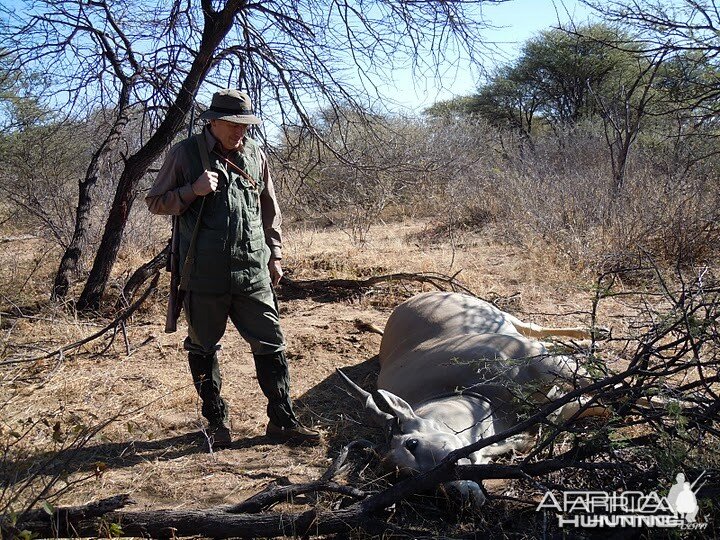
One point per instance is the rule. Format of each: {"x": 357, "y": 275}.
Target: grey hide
{"x": 455, "y": 369}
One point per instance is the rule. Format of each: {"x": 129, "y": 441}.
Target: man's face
{"x": 229, "y": 134}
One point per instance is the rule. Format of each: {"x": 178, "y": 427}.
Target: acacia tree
{"x": 149, "y": 58}
{"x": 632, "y": 76}
{"x": 554, "y": 79}
{"x": 623, "y": 113}
{"x": 686, "y": 34}
{"x": 689, "y": 101}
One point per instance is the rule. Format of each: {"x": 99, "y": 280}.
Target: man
{"x": 233, "y": 259}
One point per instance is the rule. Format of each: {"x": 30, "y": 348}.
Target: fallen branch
{"x": 120, "y": 319}
{"x": 274, "y": 493}
{"x": 440, "y": 281}
{"x": 220, "y": 522}
{"x": 63, "y": 518}
{"x": 141, "y": 275}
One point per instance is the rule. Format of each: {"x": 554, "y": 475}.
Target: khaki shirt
{"x": 167, "y": 197}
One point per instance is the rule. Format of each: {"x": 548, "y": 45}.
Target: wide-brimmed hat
{"x": 231, "y": 105}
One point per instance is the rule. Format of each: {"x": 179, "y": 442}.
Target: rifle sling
{"x": 190, "y": 258}
{"x": 242, "y": 173}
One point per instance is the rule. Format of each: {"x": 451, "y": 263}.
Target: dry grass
{"x": 146, "y": 450}
{"x": 150, "y": 447}
{"x": 554, "y": 194}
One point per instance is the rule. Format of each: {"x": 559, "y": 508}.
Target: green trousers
{"x": 255, "y": 316}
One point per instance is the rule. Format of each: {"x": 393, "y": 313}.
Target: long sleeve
{"x": 271, "y": 216}
{"x": 169, "y": 195}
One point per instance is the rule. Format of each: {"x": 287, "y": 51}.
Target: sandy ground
{"x": 153, "y": 448}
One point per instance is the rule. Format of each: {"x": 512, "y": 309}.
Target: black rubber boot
{"x": 274, "y": 378}
{"x": 205, "y": 371}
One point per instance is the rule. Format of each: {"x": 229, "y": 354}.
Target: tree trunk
{"x": 73, "y": 253}
{"x": 81, "y": 236}
{"x": 217, "y": 25}
{"x": 141, "y": 275}
{"x": 619, "y": 166}
{"x": 135, "y": 168}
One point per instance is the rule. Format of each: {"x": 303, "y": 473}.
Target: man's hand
{"x": 275, "y": 271}
{"x": 206, "y": 183}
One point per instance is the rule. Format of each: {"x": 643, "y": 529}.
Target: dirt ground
{"x": 152, "y": 445}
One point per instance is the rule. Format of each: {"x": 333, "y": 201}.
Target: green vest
{"x": 231, "y": 253}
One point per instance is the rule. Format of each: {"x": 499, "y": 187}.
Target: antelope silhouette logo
{"x": 683, "y": 497}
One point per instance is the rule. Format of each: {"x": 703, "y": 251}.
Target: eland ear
{"x": 398, "y": 407}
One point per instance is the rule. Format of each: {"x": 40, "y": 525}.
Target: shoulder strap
{"x": 190, "y": 258}
{"x": 202, "y": 147}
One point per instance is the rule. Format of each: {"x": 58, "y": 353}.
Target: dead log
{"x": 368, "y": 514}
{"x": 210, "y": 523}
{"x": 292, "y": 289}
{"x": 62, "y": 519}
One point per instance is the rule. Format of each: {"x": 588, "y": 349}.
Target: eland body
{"x": 453, "y": 370}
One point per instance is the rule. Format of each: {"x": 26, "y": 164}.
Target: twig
{"x": 275, "y": 493}
{"x": 125, "y": 337}
{"x": 147, "y": 340}
{"x": 120, "y": 318}
{"x": 108, "y": 345}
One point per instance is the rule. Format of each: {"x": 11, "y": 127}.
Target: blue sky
{"x": 514, "y": 21}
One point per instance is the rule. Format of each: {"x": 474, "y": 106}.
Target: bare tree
{"x": 623, "y": 114}
{"x": 680, "y": 41}
{"x": 683, "y": 25}
{"x": 150, "y": 58}
{"x": 676, "y": 29}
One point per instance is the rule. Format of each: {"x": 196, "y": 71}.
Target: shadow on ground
{"x": 342, "y": 422}
{"x": 113, "y": 455}
{"x": 319, "y": 290}
{"x": 341, "y": 415}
